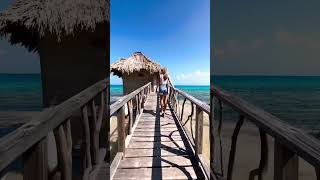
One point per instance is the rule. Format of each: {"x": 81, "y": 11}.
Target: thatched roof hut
{"x": 28, "y": 20}
{"x": 71, "y": 37}
{"x": 72, "y": 40}
{"x": 136, "y": 71}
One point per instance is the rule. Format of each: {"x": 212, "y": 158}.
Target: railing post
{"x": 199, "y": 130}
{"x": 286, "y": 163}
{"x": 121, "y": 130}
{"x": 36, "y": 162}
{"x": 211, "y": 135}
{"x": 130, "y": 116}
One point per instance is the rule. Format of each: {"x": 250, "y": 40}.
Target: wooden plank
{"x": 294, "y": 139}
{"x": 164, "y": 129}
{"x": 115, "y": 164}
{"x": 145, "y": 162}
{"x": 156, "y": 133}
{"x": 121, "y": 130}
{"x": 175, "y": 144}
{"x": 199, "y": 130}
{"x": 131, "y": 152}
{"x": 35, "y": 165}
{"x": 122, "y": 101}
{"x": 286, "y": 164}
{"x": 145, "y": 126}
{"x": 16, "y": 143}
{"x": 157, "y": 138}
{"x": 173, "y": 173}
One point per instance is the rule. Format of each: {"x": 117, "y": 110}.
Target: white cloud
{"x": 194, "y": 78}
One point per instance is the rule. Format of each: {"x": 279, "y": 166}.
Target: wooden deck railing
{"x": 30, "y": 140}
{"x": 135, "y": 103}
{"x": 201, "y": 108}
{"x": 289, "y": 142}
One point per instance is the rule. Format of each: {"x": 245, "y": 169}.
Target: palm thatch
{"x": 135, "y": 63}
{"x": 28, "y": 20}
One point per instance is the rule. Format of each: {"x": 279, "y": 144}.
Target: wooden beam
{"x": 35, "y": 165}
{"x": 296, "y": 140}
{"x": 199, "y": 130}
{"x": 121, "y": 130}
{"x": 16, "y": 143}
{"x": 286, "y": 164}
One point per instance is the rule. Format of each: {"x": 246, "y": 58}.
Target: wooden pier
{"x": 158, "y": 148}
{"x": 155, "y": 147}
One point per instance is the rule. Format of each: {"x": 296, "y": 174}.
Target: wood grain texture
{"x": 155, "y": 147}
{"x": 296, "y": 140}
{"x": 173, "y": 173}
{"x": 286, "y": 163}
{"x": 16, "y": 143}
{"x": 35, "y": 165}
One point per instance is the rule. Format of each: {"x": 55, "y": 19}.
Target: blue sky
{"x": 267, "y": 37}
{"x": 174, "y": 33}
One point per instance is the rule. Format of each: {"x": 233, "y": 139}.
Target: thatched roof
{"x": 25, "y": 21}
{"x": 134, "y": 63}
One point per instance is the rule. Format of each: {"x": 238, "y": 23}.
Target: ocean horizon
{"x": 294, "y": 99}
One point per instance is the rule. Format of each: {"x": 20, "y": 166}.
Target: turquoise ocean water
{"x": 200, "y": 92}
{"x": 293, "y": 99}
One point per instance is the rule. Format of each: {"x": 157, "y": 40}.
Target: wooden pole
{"x": 199, "y": 130}
{"x": 286, "y": 163}
{"x": 36, "y": 162}
{"x": 121, "y": 130}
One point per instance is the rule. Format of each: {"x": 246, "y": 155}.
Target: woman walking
{"x": 163, "y": 90}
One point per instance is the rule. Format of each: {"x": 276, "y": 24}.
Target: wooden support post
{"x": 64, "y": 148}
{"x": 286, "y": 163}
{"x": 211, "y": 134}
{"x": 130, "y": 116}
{"x": 36, "y": 162}
{"x": 199, "y": 130}
{"x": 317, "y": 172}
{"x": 121, "y": 130}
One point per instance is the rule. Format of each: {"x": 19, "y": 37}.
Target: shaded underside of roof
{"x": 25, "y": 21}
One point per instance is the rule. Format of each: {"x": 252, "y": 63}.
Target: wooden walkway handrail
{"x": 30, "y": 139}
{"x": 135, "y": 103}
{"x": 201, "y": 108}
{"x": 123, "y": 100}
{"x": 289, "y": 141}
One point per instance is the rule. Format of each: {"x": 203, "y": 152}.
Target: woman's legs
{"x": 161, "y": 102}
{"x": 165, "y": 99}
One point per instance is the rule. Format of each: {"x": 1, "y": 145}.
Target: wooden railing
{"x": 30, "y": 141}
{"x": 201, "y": 108}
{"x": 289, "y": 142}
{"x": 135, "y": 104}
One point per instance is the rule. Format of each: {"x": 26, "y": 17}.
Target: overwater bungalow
{"x": 136, "y": 71}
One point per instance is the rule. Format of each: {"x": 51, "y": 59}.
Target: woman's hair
{"x": 165, "y": 76}
{"x": 164, "y": 70}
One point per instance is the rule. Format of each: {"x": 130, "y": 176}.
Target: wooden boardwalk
{"x": 158, "y": 148}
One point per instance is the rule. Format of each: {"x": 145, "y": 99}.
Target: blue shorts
{"x": 163, "y": 90}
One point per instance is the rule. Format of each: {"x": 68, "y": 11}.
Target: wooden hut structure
{"x": 136, "y": 71}
{"x": 71, "y": 38}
